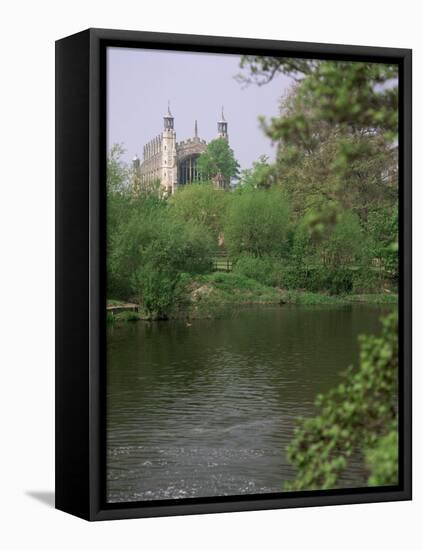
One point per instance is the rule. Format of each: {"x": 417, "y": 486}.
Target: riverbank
{"x": 216, "y": 295}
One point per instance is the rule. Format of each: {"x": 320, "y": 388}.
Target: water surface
{"x": 208, "y": 409}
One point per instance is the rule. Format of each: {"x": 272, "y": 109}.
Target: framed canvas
{"x": 233, "y": 274}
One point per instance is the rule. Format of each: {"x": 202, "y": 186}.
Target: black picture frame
{"x": 80, "y": 273}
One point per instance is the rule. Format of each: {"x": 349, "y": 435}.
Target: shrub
{"x": 127, "y": 316}
{"x": 202, "y": 204}
{"x": 260, "y": 269}
{"x": 366, "y": 279}
{"x": 382, "y": 460}
{"x": 334, "y": 281}
{"x": 257, "y": 222}
{"x": 177, "y": 248}
{"x": 338, "y": 281}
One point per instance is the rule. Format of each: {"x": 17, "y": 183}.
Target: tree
{"x": 203, "y": 204}
{"x": 218, "y": 160}
{"x": 134, "y": 228}
{"x": 359, "y": 95}
{"x": 336, "y": 133}
{"x": 150, "y": 248}
{"x": 175, "y": 248}
{"x": 257, "y": 223}
{"x": 382, "y": 228}
{"x": 260, "y": 175}
{"x": 118, "y": 205}
{"x": 117, "y": 171}
{"x": 346, "y": 242}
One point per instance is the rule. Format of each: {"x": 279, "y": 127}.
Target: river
{"x": 207, "y": 408}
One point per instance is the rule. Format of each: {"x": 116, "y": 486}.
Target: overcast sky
{"x": 140, "y": 83}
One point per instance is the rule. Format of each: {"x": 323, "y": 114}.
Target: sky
{"x": 140, "y": 83}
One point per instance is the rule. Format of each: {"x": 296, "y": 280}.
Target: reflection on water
{"x": 207, "y": 409}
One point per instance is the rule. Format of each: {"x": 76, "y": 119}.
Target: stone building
{"x": 173, "y": 163}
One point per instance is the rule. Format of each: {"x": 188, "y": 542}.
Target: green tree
{"x": 218, "y": 160}
{"x": 175, "y": 249}
{"x": 382, "y": 229}
{"x": 260, "y": 175}
{"x": 360, "y": 95}
{"x": 345, "y": 245}
{"x": 257, "y": 223}
{"x": 117, "y": 171}
{"x": 336, "y": 133}
{"x": 118, "y": 205}
{"x": 150, "y": 243}
{"x": 134, "y": 228}
{"x": 203, "y": 204}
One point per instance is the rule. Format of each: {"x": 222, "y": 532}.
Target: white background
{"x": 28, "y": 32}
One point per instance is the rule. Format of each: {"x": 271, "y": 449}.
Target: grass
{"x": 128, "y": 316}
{"x": 386, "y": 298}
{"x": 219, "y": 294}
{"x": 301, "y": 297}
{"x": 125, "y": 316}
{"x": 112, "y": 302}
{"x": 314, "y": 298}
{"x": 225, "y": 291}
{"x": 238, "y": 288}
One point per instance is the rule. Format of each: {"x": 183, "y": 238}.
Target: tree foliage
{"x": 259, "y": 176}
{"x": 256, "y": 223}
{"x": 150, "y": 246}
{"x": 336, "y": 134}
{"x": 382, "y": 228}
{"x": 202, "y": 204}
{"x": 360, "y": 95}
{"x": 345, "y": 243}
{"x": 174, "y": 248}
{"x": 218, "y": 160}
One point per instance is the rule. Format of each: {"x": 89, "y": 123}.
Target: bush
{"x": 334, "y": 281}
{"x": 257, "y": 223}
{"x": 177, "y": 248}
{"x": 366, "y": 279}
{"x": 346, "y": 242}
{"x": 136, "y": 226}
{"x": 158, "y": 290}
{"x": 202, "y": 204}
{"x": 382, "y": 460}
{"x": 273, "y": 272}
{"x": 259, "y": 269}
{"x": 338, "y": 281}
{"x": 127, "y": 316}
{"x": 149, "y": 248}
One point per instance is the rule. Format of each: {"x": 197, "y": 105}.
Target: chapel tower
{"x": 222, "y": 126}
{"x": 169, "y": 154}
